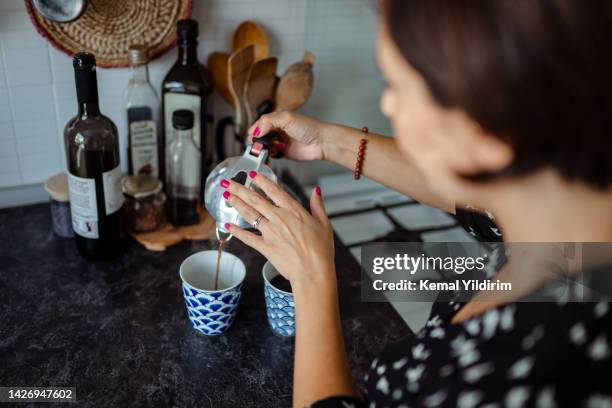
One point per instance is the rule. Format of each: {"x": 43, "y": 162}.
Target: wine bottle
{"x": 94, "y": 171}
{"x": 188, "y": 85}
{"x": 142, "y": 111}
{"x": 183, "y": 185}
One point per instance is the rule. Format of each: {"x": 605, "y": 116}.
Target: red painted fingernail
{"x": 228, "y": 225}
{"x": 225, "y": 183}
{"x": 256, "y": 132}
{"x": 318, "y": 191}
{"x": 252, "y": 174}
{"x": 226, "y": 194}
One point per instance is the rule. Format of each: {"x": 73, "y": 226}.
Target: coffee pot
{"x": 236, "y": 169}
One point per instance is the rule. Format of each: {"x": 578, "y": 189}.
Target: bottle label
{"x": 176, "y": 101}
{"x": 85, "y": 227}
{"x": 143, "y": 138}
{"x": 83, "y": 206}
{"x": 113, "y": 196}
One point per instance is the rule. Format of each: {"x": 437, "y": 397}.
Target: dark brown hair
{"x": 537, "y": 73}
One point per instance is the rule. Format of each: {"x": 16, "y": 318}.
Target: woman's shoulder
{"x": 521, "y": 327}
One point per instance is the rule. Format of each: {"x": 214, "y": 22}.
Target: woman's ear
{"x": 492, "y": 154}
{"x": 473, "y": 150}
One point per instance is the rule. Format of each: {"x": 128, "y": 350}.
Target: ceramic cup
{"x": 279, "y": 304}
{"x": 212, "y": 311}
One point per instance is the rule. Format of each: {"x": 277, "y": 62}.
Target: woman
{"x": 504, "y": 105}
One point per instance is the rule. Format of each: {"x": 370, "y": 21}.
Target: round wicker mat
{"x": 109, "y": 27}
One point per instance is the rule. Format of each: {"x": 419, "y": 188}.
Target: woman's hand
{"x": 301, "y": 136}
{"x": 300, "y": 245}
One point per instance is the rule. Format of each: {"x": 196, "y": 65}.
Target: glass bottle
{"x": 142, "y": 113}
{"x": 183, "y": 184}
{"x": 188, "y": 85}
{"x": 94, "y": 171}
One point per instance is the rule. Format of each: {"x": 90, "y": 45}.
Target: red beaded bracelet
{"x": 361, "y": 154}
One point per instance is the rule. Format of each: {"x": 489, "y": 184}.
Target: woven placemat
{"x": 109, "y": 27}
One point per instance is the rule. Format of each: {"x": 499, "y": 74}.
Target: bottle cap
{"x": 187, "y": 30}
{"x": 141, "y": 185}
{"x": 84, "y": 61}
{"x": 182, "y": 119}
{"x": 138, "y": 55}
{"x": 57, "y": 187}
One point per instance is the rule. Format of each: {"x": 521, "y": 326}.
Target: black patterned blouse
{"x": 517, "y": 355}
{"x": 481, "y": 225}
{"x": 551, "y": 354}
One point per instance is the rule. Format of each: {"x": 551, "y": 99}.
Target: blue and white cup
{"x": 212, "y": 311}
{"x": 279, "y": 304}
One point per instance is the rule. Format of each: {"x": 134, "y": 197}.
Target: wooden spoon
{"x": 295, "y": 86}
{"x": 251, "y": 33}
{"x": 260, "y": 86}
{"x": 218, "y": 65}
{"x": 309, "y": 58}
{"x": 239, "y": 64}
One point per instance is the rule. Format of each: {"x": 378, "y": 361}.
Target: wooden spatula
{"x": 239, "y": 64}
{"x": 260, "y": 86}
{"x": 218, "y": 65}
{"x": 251, "y": 33}
{"x": 295, "y": 85}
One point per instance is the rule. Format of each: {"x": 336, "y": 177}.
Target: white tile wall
{"x": 342, "y": 35}
{"x": 37, "y": 94}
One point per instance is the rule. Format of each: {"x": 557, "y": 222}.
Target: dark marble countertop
{"x": 118, "y": 331}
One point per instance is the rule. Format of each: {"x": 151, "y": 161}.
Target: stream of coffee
{"x": 219, "y": 251}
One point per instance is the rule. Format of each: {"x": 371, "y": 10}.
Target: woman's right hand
{"x": 301, "y": 135}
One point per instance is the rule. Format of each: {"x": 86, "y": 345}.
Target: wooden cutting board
{"x": 169, "y": 235}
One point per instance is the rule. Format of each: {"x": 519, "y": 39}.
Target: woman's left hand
{"x": 299, "y": 244}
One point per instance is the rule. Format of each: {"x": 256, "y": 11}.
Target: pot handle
{"x": 267, "y": 142}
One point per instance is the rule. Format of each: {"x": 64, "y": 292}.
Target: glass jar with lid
{"x": 145, "y": 203}
{"x": 61, "y": 220}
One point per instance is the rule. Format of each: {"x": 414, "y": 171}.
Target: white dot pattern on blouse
{"x": 517, "y": 355}
{"x": 545, "y": 355}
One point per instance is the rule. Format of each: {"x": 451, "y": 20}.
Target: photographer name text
{"x": 428, "y": 285}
